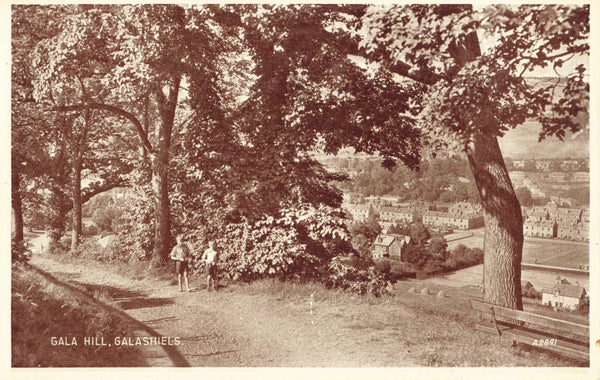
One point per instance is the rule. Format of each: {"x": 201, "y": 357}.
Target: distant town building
{"x": 568, "y": 223}
{"x": 398, "y": 215}
{"x": 455, "y": 220}
{"x": 535, "y": 190}
{"x": 360, "y": 212}
{"x": 581, "y": 177}
{"x": 556, "y": 177}
{"x": 464, "y": 208}
{"x": 565, "y": 215}
{"x": 569, "y": 164}
{"x": 537, "y": 216}
{"x": 517, "y": 178}
{"x": 573, "y": 231}
{"x": 526, "y": 285}
{"x": 389, "y": 246}
{"x": 420, "y": 207}
{"x": 543, "y": 165}
{"x": 585, "y": 215}
{"x": 544, "y": 228}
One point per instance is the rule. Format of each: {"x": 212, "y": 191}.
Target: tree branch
{"x": 87, "y": 195}
{"x": 116, "y": 110}
{"x": 580, "y": 49}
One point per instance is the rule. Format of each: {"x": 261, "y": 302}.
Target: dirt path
{"x": 230, "y": 328}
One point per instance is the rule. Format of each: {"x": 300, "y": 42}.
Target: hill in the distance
{"x": 522, "y": 143}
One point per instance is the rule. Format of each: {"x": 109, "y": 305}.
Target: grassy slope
{"x": 41, "y": 310}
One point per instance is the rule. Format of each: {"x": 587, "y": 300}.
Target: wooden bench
{"x": 566, "y": 338}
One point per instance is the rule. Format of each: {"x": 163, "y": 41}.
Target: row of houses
{"x": 573, "y": 177}
{"x": 552, "y": 164}
{"x": 552, "y": 221}
{"x": 520, "y": 179}
{"x": 461, "y": 215}
{"x": 454, "y": 220}
{"x": 359, "y": 212}
{"x": 552, "y": 211}
{"x": 399, "y": 214}
{"x": 551, "y": 229}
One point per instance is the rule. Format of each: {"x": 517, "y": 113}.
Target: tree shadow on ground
{"x": 203, "y": 287}
{"x": 442, "y": 275}
{"x": 124, "y": 298}
{"x": 160, "y": 320}
{"x": 67, "y": 276}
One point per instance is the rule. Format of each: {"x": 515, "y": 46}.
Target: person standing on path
{"x": 181, "y": 254}
{"x": 210, "y": 257}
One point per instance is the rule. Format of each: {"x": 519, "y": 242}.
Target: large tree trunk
{"x": 503, "y": 241}
{"x": 167, "y": 104}
{"x": 77, "y": 208}
{"x": 162, "y": 216}
{"x": 17, "y": 206}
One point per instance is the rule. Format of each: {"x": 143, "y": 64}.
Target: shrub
{"x": 532, "y": 293}
{"x": 434, "y": 266}
{"x": 136, "y": 228}
{"x": 268, "y": 249}
{"x": 462, "y": 257}
{"x": 63, "y": 245}
{"x": 297, "y": 244}
{"x": 107, "y": 218}
{"x": 402, "y": 271}
{"x": 20, "y": 251}
{"x": 361, "y": 281}
{"x": 91, "y": 249}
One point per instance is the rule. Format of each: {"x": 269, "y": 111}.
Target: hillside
{"x": 522, "y": 143}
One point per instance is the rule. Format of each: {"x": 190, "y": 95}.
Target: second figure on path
{"x": 211, "y": 257}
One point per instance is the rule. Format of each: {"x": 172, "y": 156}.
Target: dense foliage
{"x": 445, "y": 179}
{"x": 208, "y": 115}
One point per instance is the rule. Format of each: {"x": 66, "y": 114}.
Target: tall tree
{"x": 58, "y": 147}
{"x": 136, "y": 59}
{"x": 476, "y": 90}
{"x": 30, "y": 137}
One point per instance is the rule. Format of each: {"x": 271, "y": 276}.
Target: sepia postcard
{"x": 301, "y": 190}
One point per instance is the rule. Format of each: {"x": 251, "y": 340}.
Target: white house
{"x": 565, "y": 296}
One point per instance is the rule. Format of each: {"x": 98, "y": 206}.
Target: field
{"x": 558, "y": 254}
{"x": 550, "y": 252}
